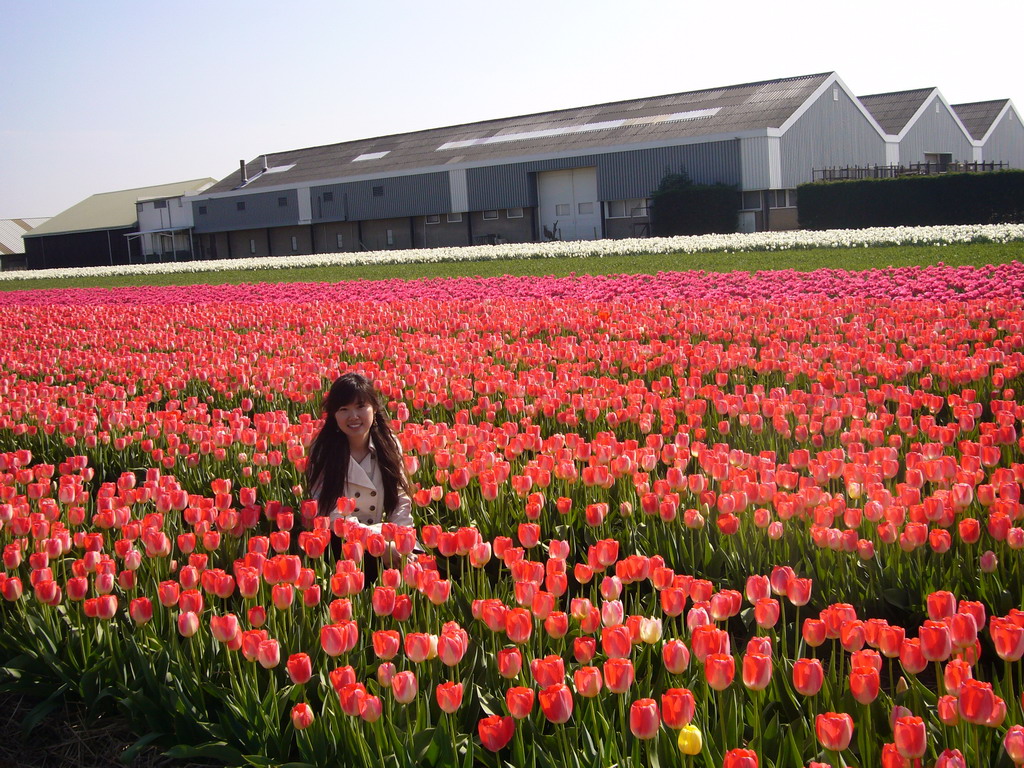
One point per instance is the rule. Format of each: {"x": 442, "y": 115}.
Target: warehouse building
{"x": 104, "y": 229}
{"x": 570, "y": 174}
{"x": 12, "y": 241}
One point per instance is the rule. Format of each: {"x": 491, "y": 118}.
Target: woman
{"x": 357, "y": 456}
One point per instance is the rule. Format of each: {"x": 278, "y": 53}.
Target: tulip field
{"x": 684, "y": 519}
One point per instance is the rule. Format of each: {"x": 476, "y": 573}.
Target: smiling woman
{"x": 356, "y": 456}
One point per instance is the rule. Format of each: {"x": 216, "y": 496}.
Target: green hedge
{"x": 680, "y": 207}
{"x": 954, "y": 198}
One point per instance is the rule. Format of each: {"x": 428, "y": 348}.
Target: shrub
{"x": 680, "y": 207}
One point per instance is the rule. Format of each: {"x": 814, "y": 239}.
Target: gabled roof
{"x": 11, "y": 232}
{"x": 894, "y": 110}
{"x": 716, "y": 111}
{"x": 978, "y": 116}
{"x": 112, "y": 210}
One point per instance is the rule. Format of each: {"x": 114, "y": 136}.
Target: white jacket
{"x": 368, "y": 496}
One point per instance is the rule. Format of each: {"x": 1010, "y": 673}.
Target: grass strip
{"x": 968, "y": 254}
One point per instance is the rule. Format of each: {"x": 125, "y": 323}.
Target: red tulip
{"x": 740, "y": 758}
{"x": 951, "y": 758}
{"x": 556, "y": 703}
{"x": 449, "y": 696}
{"x": 350, "y": 697}
{"x": 909, "y": 736}
{"x": 404, "y": 686}
{"x": 300, "y": 668}
{"x": 911, "y": 657}
{"x": 814, "y": 632}
{"x": 370, "y": 708}
{"x": 269, "y": 654}
{"x": 548, "y": 671}
{"x": 864, "y": 684}
{"x": 757, "y": 671}
{"x": 618, "y": 675}
{"x": 644, "y": 718}
{"x": 676, "y": 656}
{"x": 1013, "y": 743}
{"x": 141, "y": 610}
{"x": 766, "y": 612}
{"x": 188, "y": 624}
{"x": 808, "y": 676}
{"x": 302, "y": 716}
{"x": 616, "y": 642}
{"x": 977, "y": 702}
{"x": 496, "y": 732}
{"x": 677, "y": 707}
{"x": 834, "y": 730}
{"x": 719, "y": 670}
{"x": 386, "y": 643}
{"x": 510, "y": 662}
{"x": 936, "y": 642}
{"x": 518, "y": 625}
{"x": 941, "y": 605}
{"x": 519, "y": 701}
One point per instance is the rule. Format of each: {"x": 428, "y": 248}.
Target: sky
{"x": 100, "y": 96}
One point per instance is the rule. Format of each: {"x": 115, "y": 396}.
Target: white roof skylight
{"x": 370, "y": 156}
{"x": 605, "y": 125}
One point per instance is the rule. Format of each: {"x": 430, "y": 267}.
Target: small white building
{"x": 165, "y": 226}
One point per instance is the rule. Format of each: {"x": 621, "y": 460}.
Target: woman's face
{"x": 355, "y": 420}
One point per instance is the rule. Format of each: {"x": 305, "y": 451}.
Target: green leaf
{"x": 218, "y": 750}
{"x": 898, "y": 597}
{"x": 128, "y": 756}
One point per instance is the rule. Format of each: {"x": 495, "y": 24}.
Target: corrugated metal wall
{"x": 830, "y": 134}
{"x": 627, "y": 175}
{"x": 620, "y": 175}
{"x": 262, "y": 209}
{"x": 415, "y": 195}
{"x": 935, "y": 132}
{"x": 756, "y": 156}
{"x": 1006, "y": 144}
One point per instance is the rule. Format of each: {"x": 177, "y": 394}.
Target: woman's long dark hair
{"x": 329, "y": 453}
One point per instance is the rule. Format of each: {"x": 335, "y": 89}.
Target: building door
{"x": 568, "y": 204}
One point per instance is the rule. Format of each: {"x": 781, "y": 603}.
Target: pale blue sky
{"x": 103, "y": 95}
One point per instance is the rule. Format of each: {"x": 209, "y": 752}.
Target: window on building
{"x": 378, "y": 191}
{"x": 792, "y": 198}
{"x": 391, "y": 237}
{"x": 751, "y": 201}
{"x": 514, "y": 213}
{"x": 202, "y": 210}
{"x": 562, "y": 209}
{"x": 585, "y": 208}
{"x": 295, "y": 243}
{"x": 835, "y": 94}
{"x": 341, "y": 241}
{"x": 159, "y": 203}
{"x": 490, "y": 215}
{"x": 623, "y": 209}
{"x": 454, "y": 218}
{"x": 433, "y": 219}
{"x": 328, "y": 197}
{"x": 252, "y": 246}
{"x": 282, "y": 202}
{"x": 240, "y": 206}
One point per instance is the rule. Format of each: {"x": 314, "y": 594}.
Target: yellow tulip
{"x": 690, "y": 740}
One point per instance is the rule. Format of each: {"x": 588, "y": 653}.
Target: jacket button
{"x": 372, "y": 508}
{"x": 373, "y": 493}
{"x": 357, "y": 494}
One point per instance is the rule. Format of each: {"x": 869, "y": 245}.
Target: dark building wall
{"x": 502, "y": 229}
{"x": 326, "y": 237}
{"x": 248, "y": 243}
{"x": 444, "y": 234}
{"x": 82, "y": 249}
{"x": 628, "y": 227}
{"x": 375, "y": 234}
{"x": 281, "y": 241}
{"x": 258, "y": 209}
{"x": 415, "y": 195}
